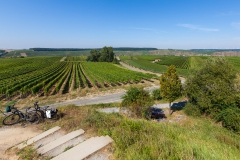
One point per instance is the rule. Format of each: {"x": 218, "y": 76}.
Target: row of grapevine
{"x": 62, "y": 77}
{"x": 160, "y": 65}
{"x": 52, "y": 80}
{"x": 76, "y": 58}
{"x": 24, "y": 66}
{"x": 25, "y": 83}
{"x": 108, "y": 73}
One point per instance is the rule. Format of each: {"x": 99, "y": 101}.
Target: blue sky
{"x": 175, "y": 24}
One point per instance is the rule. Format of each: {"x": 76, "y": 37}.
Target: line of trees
{"x": 2, "y": 52}
{"x": 105, "y": 55}
{"x": 83, "y": 49}
{"x": 59, "y": 49}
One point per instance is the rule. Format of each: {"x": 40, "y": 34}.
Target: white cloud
{"x": 198, "y": 27}
{"x": 236, "y": 25}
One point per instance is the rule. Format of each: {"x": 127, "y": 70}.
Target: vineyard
{"x": 52, "y": 75}
{"x": 44, "y": 76}
{"x": 183, "y": 63}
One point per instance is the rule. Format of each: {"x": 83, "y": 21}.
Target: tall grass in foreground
{"x": 191, "y": 138}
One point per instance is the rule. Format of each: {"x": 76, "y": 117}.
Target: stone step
{"x": 58, "y": 146}
{"x": 42, "y": 138}
{"x": 85, "y": 148}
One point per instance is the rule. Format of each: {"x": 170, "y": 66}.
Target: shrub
{"x": 211, "y": 88}
{"x": 156, "y": 94}
{"x": 230, "y": 119}
{"x": 138, "y": 101}
{"x": 214, "y": 90}
{"x": 115, "y": 61}
{"x": 192, "y": 110}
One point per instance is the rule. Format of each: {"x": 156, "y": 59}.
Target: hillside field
{"x": 58, "y": 75}
{"x": 184, "y": 64}
{"x": 45, "y": 76}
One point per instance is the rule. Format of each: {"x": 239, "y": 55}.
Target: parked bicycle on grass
{"x": 18, "y": 116}
{"x": 46, "y": 112}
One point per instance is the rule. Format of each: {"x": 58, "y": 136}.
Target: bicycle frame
{"x": 21, "y": 114}
{"x": 30, "y": 116}
{"x": 42, "y": 110}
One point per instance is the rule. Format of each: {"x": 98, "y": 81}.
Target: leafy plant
{"x": 138, "y": 101}
{"x": 156, "y": 94}
{"x": 230, "y": 119}
{"x": 170, "y": 85}
{"x": 213, "y": 90}
{"x": 192, "y": 110}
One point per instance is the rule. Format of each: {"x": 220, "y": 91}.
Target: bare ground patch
{"x": 13, "y": 135}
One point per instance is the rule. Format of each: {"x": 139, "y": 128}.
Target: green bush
{"x": 212, "y": 88}
{"x": 156, "y": 94}
{"x": 138, "y": 101}
{"x": 230, "y": 119}
{"x": 115, "y": 61}
{"x": 192, "y": 110}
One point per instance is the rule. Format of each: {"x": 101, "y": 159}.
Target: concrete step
{"x": 42, "y": 138}
{"x": 58, "y": 146}
{"x": 85, "y": 148}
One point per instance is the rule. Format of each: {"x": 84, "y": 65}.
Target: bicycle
{"x": 18, "y": 116}
{"x": 46, "y": 112}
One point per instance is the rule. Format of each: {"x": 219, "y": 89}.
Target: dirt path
{"x": 137, "y": 69}
{"x": 12, "y": 135}
{"x": 144, "y": 71}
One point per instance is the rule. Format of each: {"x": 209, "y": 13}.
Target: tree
{"x": 170, "y": 85}
{"x": 138, "y": 101}
{"x": 94, "y": 56}
{"x": 105, "y": 55}
{"x": 213, "y": 87}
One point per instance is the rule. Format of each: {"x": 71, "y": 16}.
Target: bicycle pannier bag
{"x": 48, "y": 113}
{"x": 8, "y": 109}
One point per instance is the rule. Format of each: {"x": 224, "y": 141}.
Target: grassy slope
{"x": 191, "y": 138}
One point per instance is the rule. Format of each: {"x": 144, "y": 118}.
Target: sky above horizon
{"x": 163, "y": 24}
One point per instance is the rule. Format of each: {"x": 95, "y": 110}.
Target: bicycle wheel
{"x": 11, "y": 119}
{"x": 33, "y": 117}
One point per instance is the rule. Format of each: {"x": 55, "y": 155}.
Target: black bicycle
{"x": 18, "y": 116}
{"x": 46, "y": 112}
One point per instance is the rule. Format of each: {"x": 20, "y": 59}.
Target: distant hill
{"x": 227, "y": 52}
{"x": 122, "y": 51}
{"x": 77, "y": 51}
{"x": 197, "y": 52}
{"x": 84, "y": 49}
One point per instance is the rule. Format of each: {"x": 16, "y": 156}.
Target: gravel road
{"x": 110, "y": 98}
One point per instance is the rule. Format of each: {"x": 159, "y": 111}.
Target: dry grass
{"x": 189, "y": 138}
